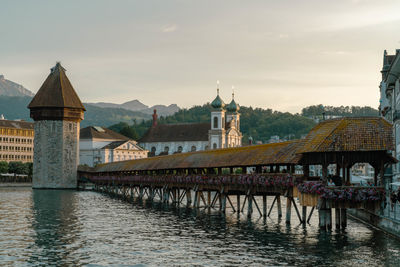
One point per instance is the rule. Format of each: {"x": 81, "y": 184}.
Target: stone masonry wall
{"x": 56, "y": 154}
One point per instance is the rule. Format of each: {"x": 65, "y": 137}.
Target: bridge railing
{"x": 260, "y": 180}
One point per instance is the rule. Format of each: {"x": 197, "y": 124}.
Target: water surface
{"x": 70, "y": 228}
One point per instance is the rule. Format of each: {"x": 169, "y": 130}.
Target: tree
{"x": 18, "y": 167}
{"x": 3, "y": 167}
{"x": 129, "y": 132}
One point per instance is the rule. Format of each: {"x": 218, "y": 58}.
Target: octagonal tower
{"x": 57, "y": 112}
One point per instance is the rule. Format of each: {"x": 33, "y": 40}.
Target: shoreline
{"x": 15, "y": 185}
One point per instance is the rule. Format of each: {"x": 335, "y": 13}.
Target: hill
{"x": 9, "y": 88}
{"x": 13, "y": 107}
{"x": 136, "y": 105}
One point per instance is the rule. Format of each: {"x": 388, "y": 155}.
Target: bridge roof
{"x": 352, "y": 134}
{"x": 267, "y": 154}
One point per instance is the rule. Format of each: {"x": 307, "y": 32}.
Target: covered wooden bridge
{"x": 210, "y": 178}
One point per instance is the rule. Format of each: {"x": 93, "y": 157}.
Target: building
{"x": 101, "y": 145}
{"x": 16, "y": 141}
{"x": 222, "y": 131}
{"x": 57, "y": 112}
{"x": 389, "y": 103}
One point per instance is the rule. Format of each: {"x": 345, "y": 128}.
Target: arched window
{"x": 193, "y": 148}
{"x": 166, "y": 149}
{"x": 215, "y": 146}
{"x": 180, "y": 149}
{"x": 153, "y": 149}
{"x": 215, "y": 122}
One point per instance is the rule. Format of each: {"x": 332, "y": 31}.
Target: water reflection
{"x": 55, "y": 226}
{"x": 68, "y": 228}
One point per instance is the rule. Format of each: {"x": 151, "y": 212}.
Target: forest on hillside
{"x": 343, "y": 111}
{"x": 258, "y": 123}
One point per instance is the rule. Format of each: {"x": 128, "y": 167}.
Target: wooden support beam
{"x": 255, "y": 203}
{"x": 230, "y": 203}
{"x": 244, "y": 203}
{"x": 223, "y": 203}
{"x": 288, "y": 209}
{"x": 322, "y": 222}
{"x": 311, "y": 213}
{"x": 304, "y": 214}
{"x": 188, "y": 198}
{"x": 273, "y": 203}
{"x": 250, "y": 205}
{"x": 328, "y": 216}
{"x": 264, "y": 205}
{"x": 278, "y": 202}
{"x": 209, "y": 199}
{"x": 337, "y": 218}
{"x": 296, "y": 209}
{"x": 238, "y": 203}
{"x": 343, "y": 218}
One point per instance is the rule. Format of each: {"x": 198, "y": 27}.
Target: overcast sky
{"x": 281, "y": 54}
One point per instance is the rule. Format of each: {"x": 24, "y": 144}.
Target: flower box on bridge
{"x": 316, "y": 194}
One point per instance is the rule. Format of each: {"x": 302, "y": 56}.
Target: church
{"x": 222, "y": 131}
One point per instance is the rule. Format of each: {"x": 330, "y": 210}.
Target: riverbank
{"x": 15, "y": 184}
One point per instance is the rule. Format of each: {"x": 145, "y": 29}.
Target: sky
{"x": 282, "y": 55}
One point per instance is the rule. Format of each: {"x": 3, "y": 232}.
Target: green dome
{"x": 218, "y": 103}
{"x": 233, "y": 107}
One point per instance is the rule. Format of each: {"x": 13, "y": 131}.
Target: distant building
{"x": 101, "y": 145}
{"x": 16, "y": 141}
{"x": 222, "y": 131}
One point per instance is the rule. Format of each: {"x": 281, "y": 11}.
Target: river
{"x": 71, "y": 228}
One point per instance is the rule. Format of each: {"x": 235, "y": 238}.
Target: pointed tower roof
{"x": 56, "y": 99}
{"x": 218, "y": 103}
{"x": 56, "y": 92}
{"x": 233, "y": 106}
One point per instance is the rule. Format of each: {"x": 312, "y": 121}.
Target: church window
{"x": 193, "y": 148}
{"x": 215, "y": 122}
{"x": 214, "y": 146}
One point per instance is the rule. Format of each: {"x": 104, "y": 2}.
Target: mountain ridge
{"x": 10, "y": 88}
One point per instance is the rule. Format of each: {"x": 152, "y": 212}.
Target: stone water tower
{"x": 57, "y": 112}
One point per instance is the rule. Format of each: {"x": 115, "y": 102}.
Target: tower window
{"x": 215, "y": 122}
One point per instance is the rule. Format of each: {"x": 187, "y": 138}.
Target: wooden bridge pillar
{"x": 188, "y": 197}
{"x": 328, "y": 216}
{"x": 322, "y": 222}
{"x": 337, "y": 218}
{"x": 264, "y": 206}
{"x": 288, "y": 209}
{"x": 278, "y": 203}
{"x": 304, "y": 214}
{"x": 343, "y": 218}
{"x": 250, "y": 205}
{"x": 223, "y": 203}
{"x": 238, "y": 203}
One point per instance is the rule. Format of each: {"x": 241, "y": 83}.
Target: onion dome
{"x": 233, "y": 106}
{"x": 218, "y": 103}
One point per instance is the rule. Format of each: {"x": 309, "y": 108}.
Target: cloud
{"x": 170, "y": 28}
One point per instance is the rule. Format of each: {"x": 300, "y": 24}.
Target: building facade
{"x": 222, "y": 131}
{"x": 57, "y": 112}
{"x": 389, "y": 103}
{"x": 101, "y": 145}
{"x": 16, "y": 141}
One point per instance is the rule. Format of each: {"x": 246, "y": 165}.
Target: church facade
{"x": 222, "y": 131}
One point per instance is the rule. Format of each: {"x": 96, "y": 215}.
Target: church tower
{"x": 217, "y": 133}
{"x": 233, "y": 134}
{"x": 57, "y": 112}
